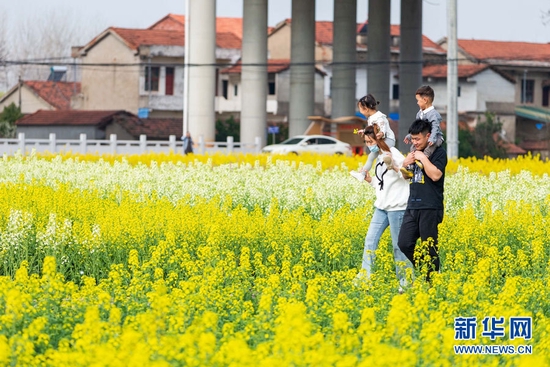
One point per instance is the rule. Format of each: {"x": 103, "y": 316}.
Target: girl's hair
{"x": 368, "y": 101}
{"x": 371, "y": 131}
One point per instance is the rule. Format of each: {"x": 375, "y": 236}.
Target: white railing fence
{"x": 115, "y": 146}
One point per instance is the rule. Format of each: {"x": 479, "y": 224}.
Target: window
{"x": 292, "y": 141}
{"x": 395, "y": 92}
{"x": 169, "y": 82}
{"x": 527, "y": 90}
{"x": 395, "y": 41}
{"x": 271, "y": 84}
{"x": 458, "y": 92}
{"x": 545, "y": 96}
{"x": 235, "y": 89}
{"x": 325, "y": 141}
{"x": 225, "y": 88}
{"x": 271, "y": 88}
{"x": 152, "y": 78}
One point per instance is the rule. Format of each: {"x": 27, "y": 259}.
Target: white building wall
{"x": 467, "y": 101}
{"x": 283, "y": 87}
{"x": 30, "y": 102}
{"x": 360, "y": 82}
{"x": 327, "y": 81}
{"x": 493, "y": 88}
{"x": 484, "y": 87}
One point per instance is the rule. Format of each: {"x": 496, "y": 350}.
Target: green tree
{"x": 226, "y": 128}
{"x": 481, "y": 142}
{"x": 466, "y": 145}
{"x": 9, "y": 115}
{"x": 231, "y": 127}
{"x": 484, "y": 134}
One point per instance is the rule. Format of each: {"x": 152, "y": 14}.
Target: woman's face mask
{"x": 371, "y": 144}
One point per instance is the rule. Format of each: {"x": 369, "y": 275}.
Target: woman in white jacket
{"x": 392, "y": 194}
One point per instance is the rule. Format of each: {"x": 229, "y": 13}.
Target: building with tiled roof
{"x": 97, "y": 125}
{"x": 506, "y": 53}
{"x": 147, "y": 78}
{"x": 464, "y": 71}
{"x": 279, "y": 44}
{"x": 527, "y": 66}
{"x": 429, "y": 46}
{"x": 279, "y": 40}
{"x": 41, "y": 94}
{"x": 153, "y": 128}
{"x": 69, "y": 124}
{"x": 481, "y": 88}
{"x": 69, "y": 118}
{"x": 175, "y": 22}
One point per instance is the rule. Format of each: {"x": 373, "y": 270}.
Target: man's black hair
{"x": 420, "y": 126}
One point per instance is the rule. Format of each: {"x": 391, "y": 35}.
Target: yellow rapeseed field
{"x": 250, "y": 260}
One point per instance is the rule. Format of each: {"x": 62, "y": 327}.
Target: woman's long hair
{"x": 371, "y": 131}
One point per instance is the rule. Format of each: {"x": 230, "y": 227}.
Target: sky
{"x": 500, "y": 20}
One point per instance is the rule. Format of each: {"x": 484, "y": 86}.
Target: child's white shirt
{"x": 423, "y": 113}
{"x": 381, "y": 120}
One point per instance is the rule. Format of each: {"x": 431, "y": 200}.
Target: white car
{"x": 320, "y": 144}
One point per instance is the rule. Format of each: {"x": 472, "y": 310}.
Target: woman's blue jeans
{"x": 381, "y": 219}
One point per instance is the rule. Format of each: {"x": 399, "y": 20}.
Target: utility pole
{"x": 186, "y": 68}
{"x": 20, "y": 86}
{"x": 452, "y": 81}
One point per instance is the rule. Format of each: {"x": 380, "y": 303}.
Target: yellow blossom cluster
{"x": 534, "y": 164}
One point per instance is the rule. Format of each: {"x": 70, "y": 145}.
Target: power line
{"x": 441, "y": 61}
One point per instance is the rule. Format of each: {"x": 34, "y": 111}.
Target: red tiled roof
{"x": 154, "y": 128}
{"x": 171, "y": 22}
{"x": 512, "y": 148}
{"x": 426, "y": 42}
{"x": 70, "y": 118}
{"x": 273, "y": 66}
{"x": 57, "y": 94}
{"x": 140, "y": 37}
{"x": 323, "y": 29}
{"x": 230, "y": 25}
{"x": 323, "y": 32}
{"x": 482, "y": 50}
{"x": 535, "y": 145}
{"x": 464, "y": 71}
{"x": 174, "y": 22}
{"x": 228, "y": 40}
{"x": 509, "y": 148}
{"x": 395, "y": 31}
